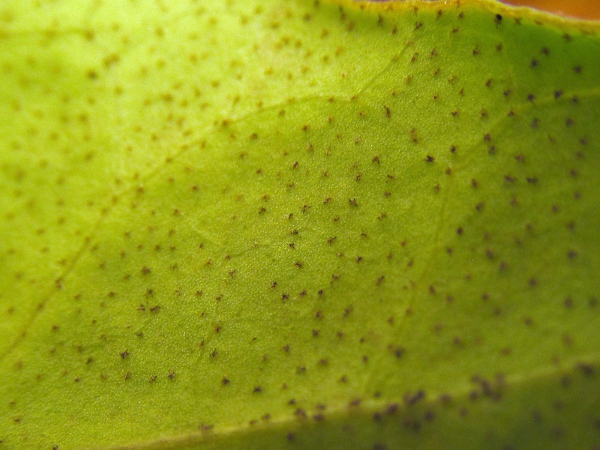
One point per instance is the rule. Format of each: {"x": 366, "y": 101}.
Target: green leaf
{"x": 298, "y": 224}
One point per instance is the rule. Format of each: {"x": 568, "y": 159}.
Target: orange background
{"x": 585, "y": 9}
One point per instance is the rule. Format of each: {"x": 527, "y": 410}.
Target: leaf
{"x": 298, "y": 224}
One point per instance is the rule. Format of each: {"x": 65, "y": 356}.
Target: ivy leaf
{"x": 298, "y": 224}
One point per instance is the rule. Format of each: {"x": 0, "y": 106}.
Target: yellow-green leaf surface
{"x": 298, "y": 224}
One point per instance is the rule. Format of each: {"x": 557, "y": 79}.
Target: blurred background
{"x": 584, "y": 9}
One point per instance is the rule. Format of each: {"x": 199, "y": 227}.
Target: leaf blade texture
{"x": 304, "y": 224}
